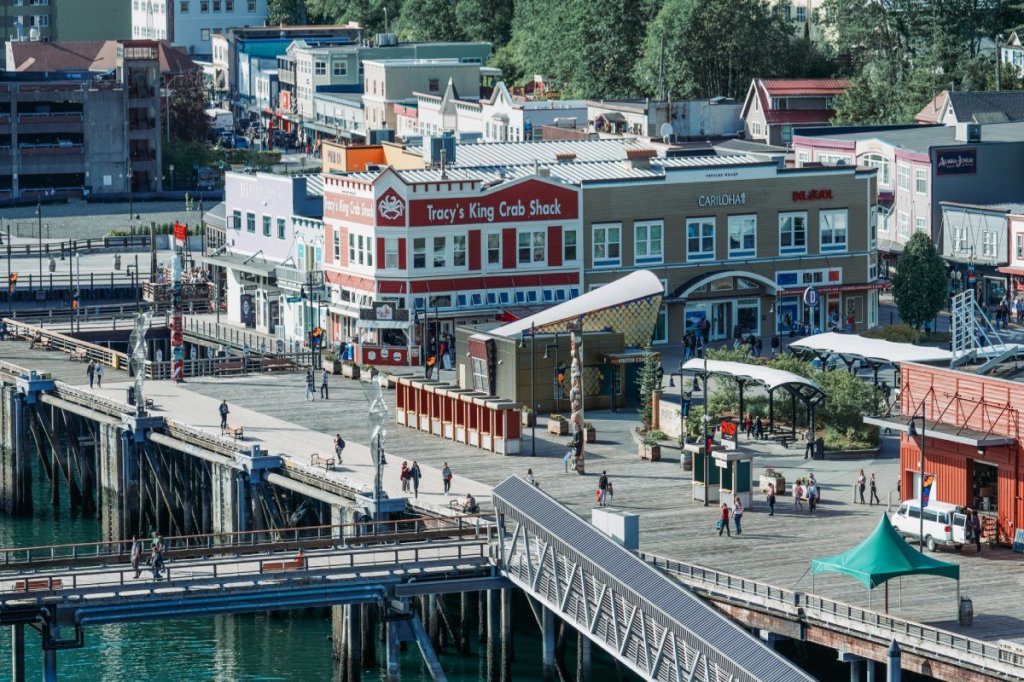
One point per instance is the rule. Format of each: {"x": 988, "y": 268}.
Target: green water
{"x": 257, "y": 647}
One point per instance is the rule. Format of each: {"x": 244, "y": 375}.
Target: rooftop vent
{"x": 565, "y": 157}
{"x": 640, "y": 158}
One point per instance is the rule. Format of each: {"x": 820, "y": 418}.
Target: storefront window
{"x": 532, "y": 246}
{"x": 793, "y": 233}
{"x": 984, "y": 484}
{"x": 459, "y": 250}
{"x": 882, "y": 164}
{"x": 569, "y": 253}
{"x": 391, "y": 252}
{"x": 661, "y": 327}
{"x": 700, "y": 239}
{"x": 493, "y": 249}
{"x": 742, "y": 236}
{"x": 748, "y": 316}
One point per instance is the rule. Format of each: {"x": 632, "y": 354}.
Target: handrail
{"x": 21, "y": 557}
{"x": 813, "y": 607}
{"x": 68, "y": 344}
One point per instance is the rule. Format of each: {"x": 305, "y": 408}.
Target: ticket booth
{"x": 735, "y": 474}
{"x": 714, "y": 474}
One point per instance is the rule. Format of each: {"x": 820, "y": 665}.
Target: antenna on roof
{"x": 536, "y": 167}
{"x": 444, "y": 172}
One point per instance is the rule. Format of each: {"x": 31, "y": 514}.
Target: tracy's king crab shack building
{"x": 411, "y": 254}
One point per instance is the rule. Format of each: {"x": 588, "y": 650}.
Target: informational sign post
{"x": 729, "y": 429}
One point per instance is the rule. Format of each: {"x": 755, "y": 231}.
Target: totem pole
{"x": 576, "y": 395}
{"x": 177, "y": 307}
{"x": 137, "y": 359}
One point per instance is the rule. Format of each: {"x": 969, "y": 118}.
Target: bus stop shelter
{"x": 875, "y": 353}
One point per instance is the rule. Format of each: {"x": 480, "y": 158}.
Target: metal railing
{"x": 249, "y": 542}
{"x": 68, "y": 247}
{"x": 926, "y": 640}
{"x": 45, "y": 338}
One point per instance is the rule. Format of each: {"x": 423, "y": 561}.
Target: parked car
{"x": 204, "y": 178}
{"x": 944, "y": 524}
{"x": 240, "y": 142}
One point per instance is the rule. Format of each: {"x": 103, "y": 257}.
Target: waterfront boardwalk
{"x": 776, "y": 550}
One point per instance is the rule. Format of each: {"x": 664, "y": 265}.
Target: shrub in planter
{"x": 650, "y": 447}
{"x": 350, "y": 370}
{"x": 590, "y": 432}
{"x": 529, "y": 417}
{"x": 558, "y": 425}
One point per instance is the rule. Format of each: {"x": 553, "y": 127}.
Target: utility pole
{"x": 39, "y": 218}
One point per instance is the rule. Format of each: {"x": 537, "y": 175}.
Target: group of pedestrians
{"x": 862, "y": 483}
{"x": 410, "y": 477}
{"x": 737, "y": 518}
{"x": 605, "y": 491}
{"x": 754, "y": 427}
{"x": 810, "y": 491}
{"x": 325, "y": 393}
{"x": 155, "y": 560}
{"x": 94, "y": 371}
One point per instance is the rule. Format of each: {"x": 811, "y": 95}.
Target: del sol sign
{"x": 812, "y": 195}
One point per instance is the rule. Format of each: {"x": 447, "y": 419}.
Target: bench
{"x": 233, "y": 430}
{"x": 320, "y": 460}
{"x": 273, "y": 364}
{"x": 38, "y": 584}
{"x": 226, "y": 366}
{"x": 286, "y": 565}
{"x": 39, "y": 341}
{"x": 79, "y": 355}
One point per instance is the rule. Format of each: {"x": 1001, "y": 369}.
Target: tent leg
{"x": 886, "y": 597}
{"x": 901, "y": 593}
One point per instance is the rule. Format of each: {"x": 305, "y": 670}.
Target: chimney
{"x": 640, "y": 158}
{"x": 968, "y": 132}
{"x": 565, "y": 157}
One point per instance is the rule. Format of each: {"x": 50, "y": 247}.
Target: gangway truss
{"x": 645, "y": 619}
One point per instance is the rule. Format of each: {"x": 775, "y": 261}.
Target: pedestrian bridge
{"x": 646, "y": 620}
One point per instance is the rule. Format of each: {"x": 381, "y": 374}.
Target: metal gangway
{"x": 639, "y": 615}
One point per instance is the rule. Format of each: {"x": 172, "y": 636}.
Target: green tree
{"x": 647, "y": 380}
{"x": 486, "y": 20}
{"x": 919, "y": 285}
{"x": 188, "y": 108}
{"x": 709, "y": 48}
{"x": 288, "y": 12}
{"x": 425, "y": 20}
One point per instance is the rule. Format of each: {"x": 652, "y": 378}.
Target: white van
{"x": 944, "y": 524}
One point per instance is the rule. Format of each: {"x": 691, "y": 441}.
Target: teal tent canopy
{"x": 884, "y": 555}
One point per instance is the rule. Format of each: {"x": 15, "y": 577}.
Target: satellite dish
{"x": 666, "y": 131}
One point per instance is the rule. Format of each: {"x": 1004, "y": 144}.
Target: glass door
{"x": 721, "y": 320}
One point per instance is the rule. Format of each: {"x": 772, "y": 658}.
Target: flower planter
{"x": 350, "y": 371}
{"x": 591, "y": 435}
{"x": 686, "y": 459}
{"x": 650, "y": 452}
{"x": 529, "y": 418}
{"x": 334, "y": 367}
{"x": 558, "y": 427}
{"x": 778, "y": 481}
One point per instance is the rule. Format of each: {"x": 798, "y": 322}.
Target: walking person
{"x": 737, "y": 514}
{"x": 976, "y": 530}
{"x": 324, "y": 391}
{"x": 309, "y": 386}
{"x": 758, "y": 428}
{"x": 602, "y": 485}
{"x": 723, "y": 521}
{"x": 136, "y": 555}
{"x": 90, "y": 371}
{"x": 530, "y": 479}
{"x": 446, "y": 478}
{"x": 812, "y": 495}
{"x": 99, "y": 375}
{"x": 414, "y": 474}
{"x": 223, "y": 409}
{"x": 771, "y": 499}
{"x": 874, "y": 491}
{"x": 798, "y": 493}
{"x": 405, "y": 477}
{"x": 861, "y": 485}
{"x": 158, "y": 561}
{"x": 339, "y": 447}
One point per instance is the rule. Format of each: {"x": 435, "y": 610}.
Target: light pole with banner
{"x": 811, "y": 299}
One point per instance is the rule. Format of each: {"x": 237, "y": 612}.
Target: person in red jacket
{"x": 723, "y": 522}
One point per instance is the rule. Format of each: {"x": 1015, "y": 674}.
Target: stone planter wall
{"x": 780, "y": 484}
{"x": 350, "y": 371}
{"x": 591, "y": 435}
{"x": 558, "y": 427}
{"x": 650, "y": 452}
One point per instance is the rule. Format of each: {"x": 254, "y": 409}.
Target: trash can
{"x": 966, "y": 611}
{"x": 131, "y": 395}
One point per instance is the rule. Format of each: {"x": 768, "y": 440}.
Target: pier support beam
{"x": 870, "y": 667}
{"x": 893, "y": 672}
{"x": 548, "y": 644}
{"x": 429, "y": 655}
{"x": 391, "y": 626}
{"x": 353, "y": 642}
{"x": 464, "y": 619}
{"x": 493, "y": 636}
{"x": 582, "y": 658}
{"x": 50, "y": 660}
{"x": 18, "y": 653}
{"x": 506, "y": 635}
{"x": 856, "y": 664}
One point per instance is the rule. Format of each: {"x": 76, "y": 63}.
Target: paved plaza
{"x": 777, "y": 550}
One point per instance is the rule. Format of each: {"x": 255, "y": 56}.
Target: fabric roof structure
{"x": 768, "y": 377}
{"x": 882, "y": 556}
{"x": 628, "y": 305}
{"x": 873, "y": 351}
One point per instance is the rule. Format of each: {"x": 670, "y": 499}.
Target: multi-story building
{"x": 774, "y": 107}
{"x": 986, "y": 106}
{"x": 981, "y": 248}
{"x": 919, "y": 167}
{"x": 51, "y": 21}
{"x": 443, "y": 248}
{"x": 1012, "y": 54}
{"x": 67, "y": 133}
{"x": 393, "y": 81}
{"x": 190, "y": 24}
{"x": 273, "y": 252}
{"x": 806, "y": 16}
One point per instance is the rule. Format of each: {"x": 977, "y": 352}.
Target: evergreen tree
{"x": 189, "y": 122}
{"x": 288, "y": 12}
{"x": 426, "y": 20}
{"x": 647, "y": 381}
{"x": 486, "y": 20}
{"x": 919, "y": 286}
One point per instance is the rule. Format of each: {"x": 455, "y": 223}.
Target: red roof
{"x": 810, "y": 87}
{"x": 94, "y": 55}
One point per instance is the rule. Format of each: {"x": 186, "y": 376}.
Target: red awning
{"x": 1007, "y": 270}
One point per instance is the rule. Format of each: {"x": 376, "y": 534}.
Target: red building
{"x": 411, "y": 254}
{"x": 972, "y": 442}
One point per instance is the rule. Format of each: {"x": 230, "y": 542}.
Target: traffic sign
{"x": 293, "y": 299}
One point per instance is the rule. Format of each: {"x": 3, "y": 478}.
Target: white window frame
{"x": 903, "y": 176}
{"x": 802, "y": 158}
{"x": 536, "y": 242}
{"x": 419, "y": 247}
{"x": 903, "y": 224}
{"x": 706, "y": 227}
{"x": 1019, "y": 240}
{"x": 337, "y": 246}
{"x": 460, "y": 251}
{"x": 606, "y": 245}
{"x": 959, "y": 239}
{"x": 436, "y": 253}
{"x": 339, "y": 67}
{"x": 740, "y": 226}
{"x": 920, "y": 181}
{"x": 882, "y": 164}
{"x": 574, "y": 236}
{"x": 920, "y": 224}
{"x": 788, "y": 233}
{"x": 826, "y": 159}
{"x": 833, "y": 230}
{"x": 872, "y": 226}
{"x": 989, "y": 243}
{"x": 391, "y": 253}
{"x": 653, "y": 248}
{"x": 319, "y": 67}
{"x": 494, "y": 249}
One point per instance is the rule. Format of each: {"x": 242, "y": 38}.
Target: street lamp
{"x": 559, "y": 376}
{"x": 911, "y": 432}
{"x": 39, "y": 218}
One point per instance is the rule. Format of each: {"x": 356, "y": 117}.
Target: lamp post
{"x": 707, "y": 445}
{"x": 131, "y": 195}
{"x": 912, "y": 431}
{"x": 39, "y": 220}
{"x": 557, "y": 383}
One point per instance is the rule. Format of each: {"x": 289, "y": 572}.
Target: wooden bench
{"x": 320, "y": 460}
{"x": 38, "y": 584}
{"x": 226, "y": 366}
{"x": 233, "y": 430}
{"x": 286, "y": 565}
{"x": 79, "y": 355}
{"x": 273, "y": 364}
{"x": 39, "y": 341}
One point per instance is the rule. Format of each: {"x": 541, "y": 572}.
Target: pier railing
{"x": 921, "y": 639}
{"x": 248, "y": 542}
{"x": 83, "y": 350}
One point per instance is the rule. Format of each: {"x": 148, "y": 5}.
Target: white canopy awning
{"x": 874, "y": 351}
{"x": 766, "y": 376}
